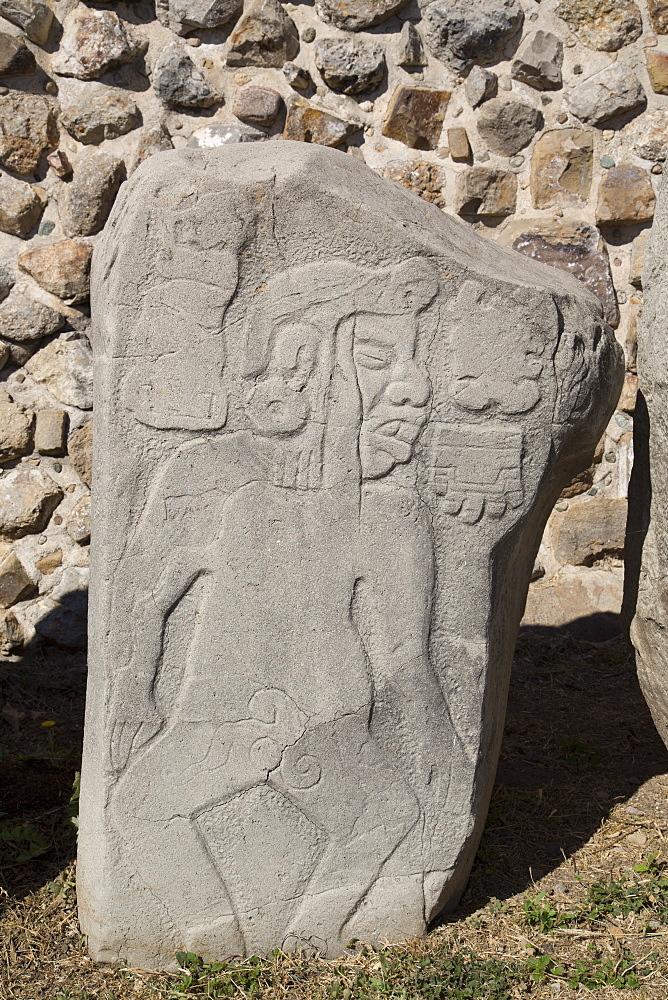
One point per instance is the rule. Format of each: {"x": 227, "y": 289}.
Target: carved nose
{"x": 413, "y": 391}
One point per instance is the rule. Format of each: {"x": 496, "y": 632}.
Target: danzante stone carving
{"x": 331, "y": 424}
{"x": 647, "y": 530}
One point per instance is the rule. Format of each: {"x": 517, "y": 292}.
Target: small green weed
{"x": 541, "y": 913}
{"x": 462, "y": 976}
{"x": 621, "y": 897}
{"x": 23, "y": 842}
{"x": 220, "y": 979}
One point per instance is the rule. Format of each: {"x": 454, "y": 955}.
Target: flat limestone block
{"x": 330, "y": 424}
{"x": 647, "y": 532}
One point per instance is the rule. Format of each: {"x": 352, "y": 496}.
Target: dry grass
{"x": 581, "y": 796}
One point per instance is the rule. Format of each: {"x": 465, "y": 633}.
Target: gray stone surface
{"x": 15, "y": 56}
{"x": 183, "y": 16}
{"x": 20, "y": 206}
{"x": 93, "y": 42}
{"x": 356, "y": 15}
{"x": 263, "y": 36}
{"x": 539, "y": 61}
{"x": 647, "y": 530}
{"x": 178, "y": 82}
{"x": 330, "y": 424}
{"x": 350, "y": 65}
{"x": 23, "y": 317}
{"x": 463, "y": 32}
{"x": 64, "y": 367}
{"x": 609, "y": 93}
{"x": 508, "y": 126}
{"x": 85, "y": 201}
{"x": 92, "y": 112}
{"x": 34, "y": 16}
{"x": 480, "y": 84}
{"x": 16, "y": 427}
{"x": 410, "y": 50}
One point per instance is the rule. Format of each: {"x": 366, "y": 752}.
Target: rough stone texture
{"x": 50, "y": 431}
{"x": 27, "y": 500}
{"x": 647, "y": 136}
{"x": 20, "y": 206}
{"x": 589, "y": 530}
{"x": 16, "y": 424}
{"x": 625, "y": 195}
{"x": 577, "y": 249}
{"x": 93, "y": 42}
{"x": 647, "y": 531}
{"x": 297, "y": 76}
{"x": 80, "y": 450}
{"x": 263, "y": 36}
{"x": 64, "y": 367}
{"x": 508, "y": 126}
{"x": 220, "y": 135}
{"x": 423, "y": 179}
{"x": 11, "y": 633}
{"x": 410, "y": 51}
{"x": 6, "y": 283}
{"x": 297, "y": 454}
{"x": 62, "y": 268}
{"x": 78, "y": 523}
{"x": 23, "y": 317}
{"x": 33, "y": 16}
{"x": 480, "y": 84}
{"x": 178, "y": 82}
{"x": 458, "y": 144}
{"x": 657, "y": 70}
{"x": 306, "y": 123}
{"x": 658, "y": 12}
{"x": 607, "y": 94}
{"x": 15, "y": 583}
{"x": 562, "y": 168}
{"x": 415, "y": 116}
{"x": 85, "y": 202}
{"x": 155, "y": 139}
{"x": 463, "y": 32}
{"x": 350, "y": 65}
{"x": 356, "y": 15}
{"x": 183, "y": 16}
{"x": 539, "y": 61}
{"x": 258, "y": 105}
{"x": 60, "y": 163}
{"x": 27, "y": 131}
{"x": 485, "y": 192}
{"x": 15, "y": 56}
{"x": 92, "y": 112}
{"x": 602, "y": 24}
{"x": 581, "y": 603}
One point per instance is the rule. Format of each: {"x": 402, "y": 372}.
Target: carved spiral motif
{"x": 275, "y": 408}
{"x": 301, "y": 771}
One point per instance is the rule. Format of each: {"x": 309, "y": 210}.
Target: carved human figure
{"x": 244, "y": 716}
{"x": 331, "y": 422}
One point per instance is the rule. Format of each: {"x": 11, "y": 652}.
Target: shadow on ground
{"x": 578, "y": 740}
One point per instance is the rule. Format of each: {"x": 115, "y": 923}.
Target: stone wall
{"x": 544, "y": 125}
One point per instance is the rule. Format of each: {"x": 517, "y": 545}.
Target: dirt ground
{"x": 581, "y": 798}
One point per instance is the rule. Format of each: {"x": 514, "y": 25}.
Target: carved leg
{"x": 366, "y": 808}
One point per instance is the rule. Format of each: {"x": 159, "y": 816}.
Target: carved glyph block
{"x": 330, "y": 424}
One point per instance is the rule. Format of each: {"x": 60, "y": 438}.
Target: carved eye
{"x": 373, "y": 357}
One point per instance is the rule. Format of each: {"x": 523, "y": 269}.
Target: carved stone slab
{"x": 330, "y": 424}
{"x": 647, "y": 529}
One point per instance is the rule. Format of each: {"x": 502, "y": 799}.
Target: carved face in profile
{"x": 394, "y": 390}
